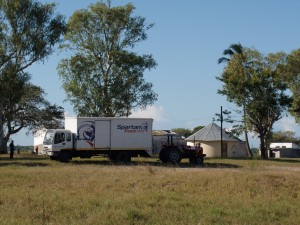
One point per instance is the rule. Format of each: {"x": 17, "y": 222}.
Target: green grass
{"x": 35, "y": 190}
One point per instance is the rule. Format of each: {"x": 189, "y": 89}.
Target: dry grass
{"x": 35, "y": 190}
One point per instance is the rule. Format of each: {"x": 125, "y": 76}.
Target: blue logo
{"x": 133, "y": 128}
{"x": 86, "y": 132}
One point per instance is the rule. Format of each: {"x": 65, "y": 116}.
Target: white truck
{"x": 118, "y": 138}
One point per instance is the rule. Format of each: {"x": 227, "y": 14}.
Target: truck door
{"x": 63, "y": 140}
{"x": 102, "y": 134}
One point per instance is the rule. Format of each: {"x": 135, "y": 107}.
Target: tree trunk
{"x": 3, "y": 148}
{"x": 247, "y": 143}
{"x": 263, "y": 149}
{"x": 246, "y": 133}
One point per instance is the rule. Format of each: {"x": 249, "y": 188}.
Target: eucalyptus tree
{"x": 292, "y": 77}
{"x": 104, "y": 77}
{"x": 238, "y": 52}
{"x": 237, "y": 128}
{"x": 28, "y": 108}
{"x": 262, "y": 92}
{"x": 285, "y": 136}
{"x": 28, "y": 32}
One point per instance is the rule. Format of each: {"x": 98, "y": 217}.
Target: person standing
{"x": 11, "y": 149}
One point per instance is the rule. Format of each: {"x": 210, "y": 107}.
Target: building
{"x": 284, "y": 150}
{"x": 210, "y": 139}
{"x": 283, "y": 145}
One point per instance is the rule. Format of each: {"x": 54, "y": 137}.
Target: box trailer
{"x": 118, "y": 138}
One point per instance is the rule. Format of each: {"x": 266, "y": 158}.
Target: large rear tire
{"x": 200, "y": 161}
{"x": 174, "y": 156}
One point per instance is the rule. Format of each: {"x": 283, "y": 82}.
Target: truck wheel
{"x": 174, "y": 156}
{"x": 65, "y": 157}
{"x": 163, "y": 156}
{"x": 53, "y": 158}
{"x": 122, "y": 156}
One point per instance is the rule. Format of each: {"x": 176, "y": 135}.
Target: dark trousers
{"x": 11, "y": 155}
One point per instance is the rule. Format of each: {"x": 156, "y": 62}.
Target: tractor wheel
{"x": 192, "y": 160}
{"x": 174, "y": 156}
{"x": 199, "y": 161}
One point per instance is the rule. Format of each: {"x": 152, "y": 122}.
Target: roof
{"x": 211, "y": 132}
{"x": 161, "y": 132}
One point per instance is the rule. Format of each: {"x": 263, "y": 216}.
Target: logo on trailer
{"x": 86, "y": 132}
{"x": 134, "y": 128}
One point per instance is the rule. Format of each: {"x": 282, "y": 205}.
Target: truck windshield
{"x": 48, "y": 140}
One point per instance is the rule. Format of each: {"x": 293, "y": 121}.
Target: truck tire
{"x": 122, "y": 156}
{"x": 65, "y": 157}
{"x": 53, "y": 157}
{"x": 174, "y": 156}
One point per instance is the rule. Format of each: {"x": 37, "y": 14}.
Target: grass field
{"x": 35, "y": 190}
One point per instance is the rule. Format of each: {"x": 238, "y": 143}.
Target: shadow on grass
{"x": 221, "y": 165}
{"x": 42, "y": 161}
{"x": 26, "y": 164}
{"x": 23, "y": 160}
{"x": 155, "y": 163}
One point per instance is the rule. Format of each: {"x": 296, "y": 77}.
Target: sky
{"x": 186, "y": 41}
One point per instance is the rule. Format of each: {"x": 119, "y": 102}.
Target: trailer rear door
{"x": 102, "y": 134}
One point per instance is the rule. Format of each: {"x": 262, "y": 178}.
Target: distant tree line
{"x": 185, "y": 132}
{"x": 284, "y": 137}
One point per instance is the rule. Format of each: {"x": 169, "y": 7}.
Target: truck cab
{"x": 56, "y": 141}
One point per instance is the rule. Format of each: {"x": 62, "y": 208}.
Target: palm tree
{"x": 238, "y": 49}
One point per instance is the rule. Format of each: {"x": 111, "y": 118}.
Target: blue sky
{"x": 186, "y": 41}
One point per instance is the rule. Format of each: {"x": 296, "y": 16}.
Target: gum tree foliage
{"x": 104, "y": 77}
{"x": 292, "y": 77}
{"x": 237, "y": 128}
{"x": 182, "y": 131}
{"x": 28, "y": 32}
{"x": 285, "y": 136}
{"x": 186, "y": 132}
{"x": 27, "y": 107}
{"x": 238, "y": 52}
{"x": 197, "y": 129}
{"x": 261, "y": 92}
